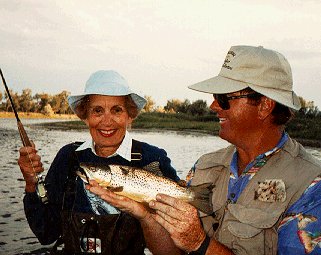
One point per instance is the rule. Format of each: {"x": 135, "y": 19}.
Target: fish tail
{"x": 203, "y": 197}
{"x": 306, "y": 240}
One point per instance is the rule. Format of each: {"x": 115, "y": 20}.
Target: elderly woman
{"x": 74, "y": 216}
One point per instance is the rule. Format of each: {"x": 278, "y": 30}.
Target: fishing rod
{"x": 40, "y": 186}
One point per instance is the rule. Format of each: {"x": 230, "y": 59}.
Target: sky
{"x": 160, "y": 47}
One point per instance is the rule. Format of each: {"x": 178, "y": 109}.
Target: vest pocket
{"x": 242, "y": 230}
{"x": 257, "y": 240}
{"x": 256, "y": 217}
{"x": 247, "y": 222}
{"x": 255, "y": 227}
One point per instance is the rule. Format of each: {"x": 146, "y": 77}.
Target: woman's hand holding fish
{"x": 30, "y": 164}
{"x": 181, "y": 221}
{"x": 123, "y": 203}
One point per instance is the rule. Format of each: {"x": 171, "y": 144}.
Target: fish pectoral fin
{"x": 116, "y": 189}
{"x": 203, "y": 197}
{"x": 102, "y": 183}
{"x": 154, "y": 168}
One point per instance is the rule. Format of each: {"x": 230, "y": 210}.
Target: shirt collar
{"x": 124, "y": 150}
{"x": 234, "y": 168}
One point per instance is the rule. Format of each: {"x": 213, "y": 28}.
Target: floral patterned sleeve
{"x": 300, "y": 230}
{"x": 190, "y": 175}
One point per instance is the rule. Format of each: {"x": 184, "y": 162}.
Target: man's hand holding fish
{"x": 179, "y": 218}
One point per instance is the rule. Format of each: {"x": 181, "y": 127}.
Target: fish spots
{"x": 139, "y": 184}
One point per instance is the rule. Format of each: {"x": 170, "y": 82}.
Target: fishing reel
{"x": 41, "y": 189}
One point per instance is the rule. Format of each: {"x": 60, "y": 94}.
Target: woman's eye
{"x": 97, "y": 110}
{"x": 117, "y": 110}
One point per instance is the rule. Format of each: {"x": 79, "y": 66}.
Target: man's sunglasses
{"x": 222, "y": 99}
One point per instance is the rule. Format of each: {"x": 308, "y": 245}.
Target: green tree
{"x": 184, "y": 106}
{"x": 59, "y": 102}
{"x": 1, "y": 103}
{"x": 26, "y": 101}
{"x": 199, "y": 107}
{"x": 15, "y": 99}
{"x": 41, "y": 101}
{"x": 47, "y": 110}
{"x": 173, "y": 105}
{"x": 150, "y": 105}
{"x": 308, "y": 108}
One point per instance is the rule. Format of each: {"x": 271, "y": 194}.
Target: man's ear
{"x": 266, "y": 107}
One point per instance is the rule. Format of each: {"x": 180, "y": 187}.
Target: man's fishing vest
{"x": 89, "y": 233}
{"x": 249, "y": 226}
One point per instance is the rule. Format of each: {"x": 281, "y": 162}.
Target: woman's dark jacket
{"x": 45, "y": 220}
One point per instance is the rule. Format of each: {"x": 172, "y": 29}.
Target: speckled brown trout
{"x": 143, "y": 186}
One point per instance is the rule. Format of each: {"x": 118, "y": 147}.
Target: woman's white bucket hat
{"x": 107, "y": 83}
{"x": 265, "y": 71}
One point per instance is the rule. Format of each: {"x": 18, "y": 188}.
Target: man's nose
{"x": 215, "y": 106}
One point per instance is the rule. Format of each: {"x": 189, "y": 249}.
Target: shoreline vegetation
{"x": 307, "y": 131}
{"x": 34, "y": 115}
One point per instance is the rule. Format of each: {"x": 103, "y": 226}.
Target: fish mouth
{"x": 82, "y": 174}
{"x": 94, "y": 171}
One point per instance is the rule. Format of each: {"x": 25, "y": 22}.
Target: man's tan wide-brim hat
{"x": 265, "y": 71}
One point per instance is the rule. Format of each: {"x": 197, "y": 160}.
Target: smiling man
{"x": 259, "y": 202}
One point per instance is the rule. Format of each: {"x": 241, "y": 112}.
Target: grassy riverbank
{"x": 305, "y": 130}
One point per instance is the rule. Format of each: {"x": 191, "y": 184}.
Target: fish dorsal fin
{"x": 153, "y": 167}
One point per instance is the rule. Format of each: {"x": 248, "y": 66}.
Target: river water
{"x": 15, "y": 236}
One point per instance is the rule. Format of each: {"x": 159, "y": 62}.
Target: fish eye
{"x": 93, "y": 169}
